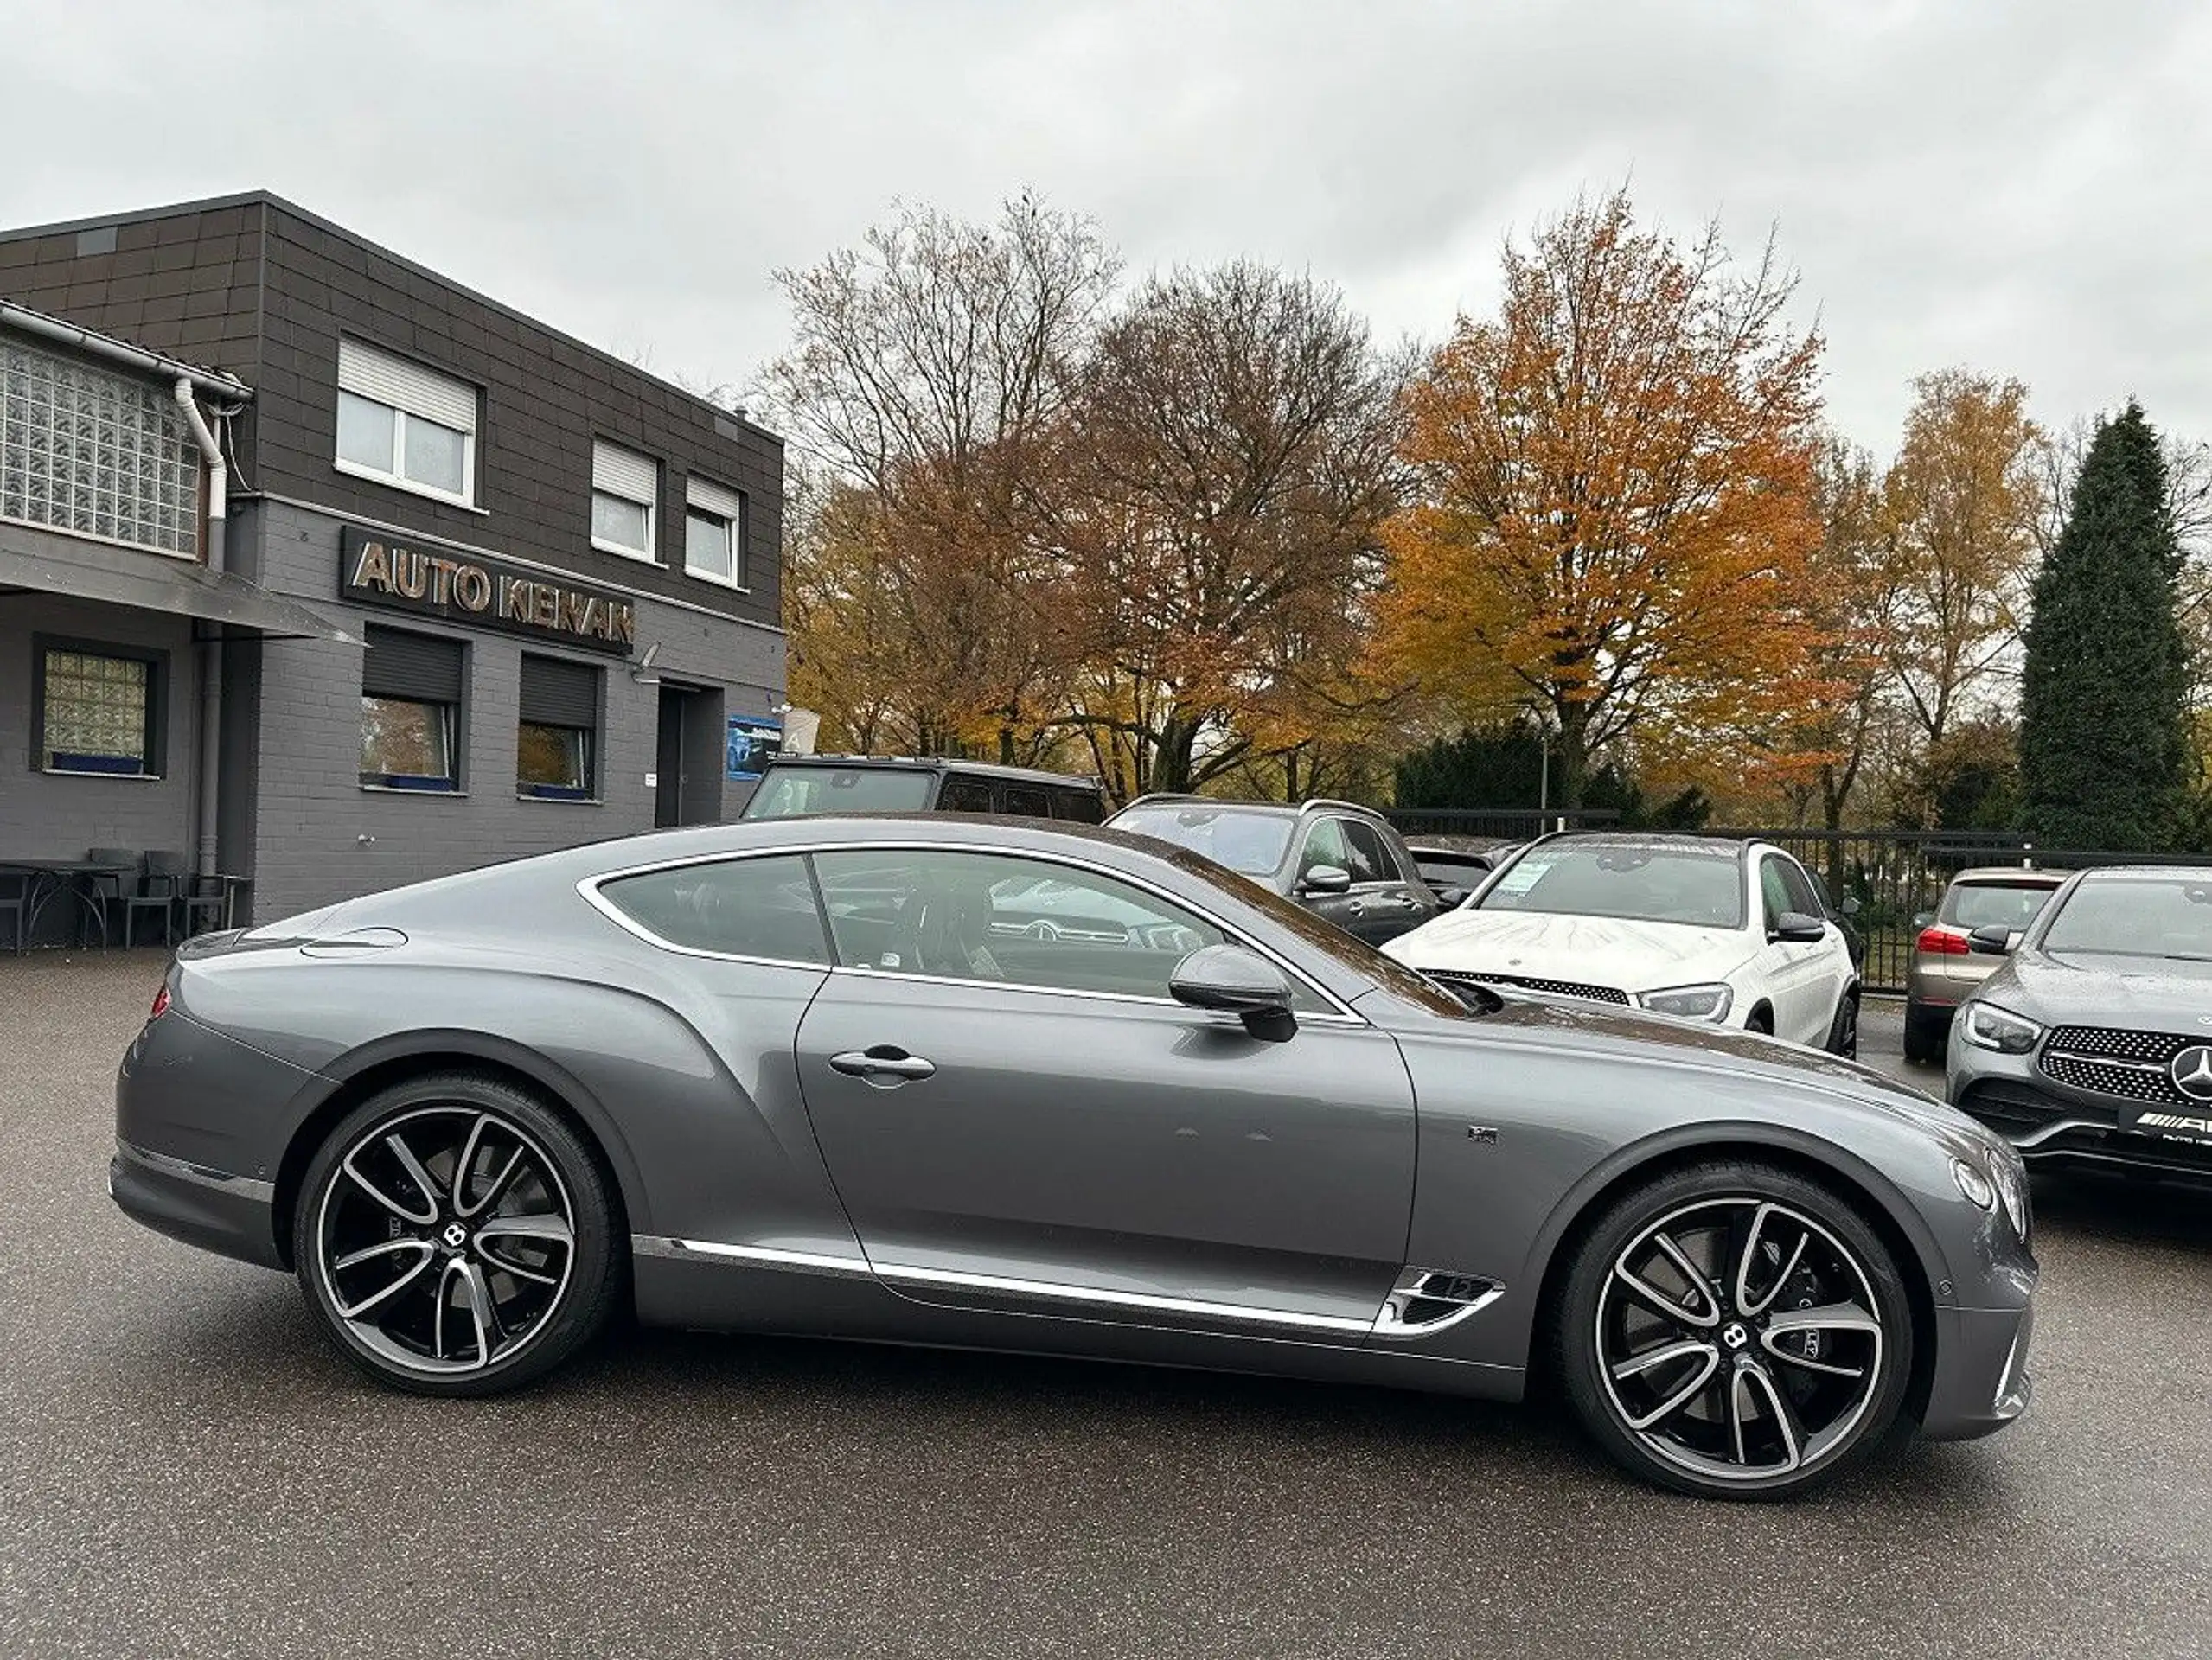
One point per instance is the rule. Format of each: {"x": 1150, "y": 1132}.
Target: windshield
{"x": 1698, "y": 886}
{"x": 789, "y": 792}
{"x": 1994, "y": 904}
{"x": 2136, "y": 916}
{"x": 1253, "y": 843}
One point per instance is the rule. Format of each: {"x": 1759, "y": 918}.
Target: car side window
{"x": 964, "y": 794}
{"x": 1325, "y": 844}
{"x": 1077, "y": 805}
{"x": 1773, "y": 891}
{"x": 1021, "y": 922}
{"x": 1370, "y": 859}
{"x": 1026, "y": 801}
{"x": 740, "y": 907}
{"x": 1803, "y": 895}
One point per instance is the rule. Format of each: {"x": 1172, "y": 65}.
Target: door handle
{"x": 883, "y": 1061}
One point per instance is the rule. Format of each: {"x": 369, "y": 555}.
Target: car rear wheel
{"x": 455, "y": 1237}
{"x": 1843, "y": 1030}
{"x": 1924, "y": 1036}
{"x": 1735, "y": 1332}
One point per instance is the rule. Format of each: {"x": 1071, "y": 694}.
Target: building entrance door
{"x": 687, "y": 757}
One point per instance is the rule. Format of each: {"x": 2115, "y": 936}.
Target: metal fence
{"x": 1896, "y": 875}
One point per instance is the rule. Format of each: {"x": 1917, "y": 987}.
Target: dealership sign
{"x": 482, "y": 592}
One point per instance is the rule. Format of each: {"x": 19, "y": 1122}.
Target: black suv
{"x": 796, "y": 785}
{"x": 1342, "y": 862}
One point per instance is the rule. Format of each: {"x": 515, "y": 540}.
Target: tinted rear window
{"x": 790, "y": 791}
{"x": 739, "y": 907}
{"x": 1990, "y": 905}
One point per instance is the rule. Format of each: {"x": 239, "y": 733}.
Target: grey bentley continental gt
{"x": 1004, "y": 1085}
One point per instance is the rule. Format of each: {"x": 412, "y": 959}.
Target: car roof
{"x": 1279, "y": 809}
{"x": 1717, "y": 846}
{"x": 2012, "y": 875}
{"x": 939, "y": 763}
{"x": 2146, "y": 873}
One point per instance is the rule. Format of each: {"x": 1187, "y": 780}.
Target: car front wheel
{"x": 1735, "y": 1332}
{"x": 455, "y": 1237}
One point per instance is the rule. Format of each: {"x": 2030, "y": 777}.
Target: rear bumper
{"x": 211, "y": 1209}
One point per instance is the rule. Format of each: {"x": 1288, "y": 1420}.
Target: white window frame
{"x": 627, "y": 476}
{"x": 409, "y": 389}
{"x": 717, "y": 502}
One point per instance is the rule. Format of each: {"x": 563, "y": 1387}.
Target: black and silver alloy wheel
{"x": 452, "y": 1234}
{"x": 1747, "y": 1338}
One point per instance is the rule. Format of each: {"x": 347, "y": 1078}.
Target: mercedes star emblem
{"x": 2192, "y": 1072}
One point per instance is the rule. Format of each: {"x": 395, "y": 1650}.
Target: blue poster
{"x": 750, "y": 744}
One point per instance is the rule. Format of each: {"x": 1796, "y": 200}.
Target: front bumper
{"x": 2054, "y": 1127}
{"x": 209, "y": 1208}
{"x": 1981, "y": 1383}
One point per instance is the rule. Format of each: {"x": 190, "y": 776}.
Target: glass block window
{"x": 96, "y": 712}
{"x": 95, "y": 454}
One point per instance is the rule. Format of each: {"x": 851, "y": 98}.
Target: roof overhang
{"x": 34, "y": 561}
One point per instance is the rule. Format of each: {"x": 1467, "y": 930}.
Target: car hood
{"x": 2096, "y": 988}
{"x": 1724, "y": 1048}
{"x": 1609, "y": 950}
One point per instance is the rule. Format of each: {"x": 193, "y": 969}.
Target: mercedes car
{"x": 1733, "y": 933}
{"x": 830, "y": 1077}
{"x": 2091, "y": 1045}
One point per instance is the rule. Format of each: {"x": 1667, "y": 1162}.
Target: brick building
{"x": 524, "y": 594}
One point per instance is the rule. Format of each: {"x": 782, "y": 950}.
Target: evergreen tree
{"x": 2103, "y": 729}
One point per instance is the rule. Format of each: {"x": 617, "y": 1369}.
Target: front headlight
{"x": 2011, "y": 1178}
{"x": 1690, "y": 1002}
{"x": 1990, "y": 1027}
{"x": 1980, "y": 1191}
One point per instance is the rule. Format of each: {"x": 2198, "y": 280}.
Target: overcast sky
{"x": 2025, "y": 188}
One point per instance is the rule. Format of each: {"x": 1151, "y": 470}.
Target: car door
{"x": 1324, "y": 848}
{"x": 1393, "y": 896}
{"x": 1789, "y": 972}
{"x": 1015, "y": 1114}
{"x": 1829, "y": 962}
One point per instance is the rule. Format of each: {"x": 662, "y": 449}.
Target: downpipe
{"x": 211, "y": 651}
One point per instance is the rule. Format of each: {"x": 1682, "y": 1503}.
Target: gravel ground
{"x": 185, "y": 1470}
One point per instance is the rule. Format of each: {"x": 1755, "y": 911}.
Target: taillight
{"x": 161, "y": 1002}
{"x": 1941, "y": 942}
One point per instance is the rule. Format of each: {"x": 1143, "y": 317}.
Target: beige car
{"x": 1943, "y": 970}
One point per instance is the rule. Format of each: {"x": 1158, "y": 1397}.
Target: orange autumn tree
{"x": 1616, "y": 505}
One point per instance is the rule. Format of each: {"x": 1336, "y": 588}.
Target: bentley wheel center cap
{"x": 454, "y": 1236}
{"x": 1736, "y": 1337}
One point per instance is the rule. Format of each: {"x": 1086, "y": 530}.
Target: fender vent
{"x": 1430, "y": 1299}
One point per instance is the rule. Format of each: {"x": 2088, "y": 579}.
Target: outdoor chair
{"x": 159, "y": 889}
{"x": 15, "y": 907}
{"x": 201, "y": 904}
{"x": 109, "y": 890}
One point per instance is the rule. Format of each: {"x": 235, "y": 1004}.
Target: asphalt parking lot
{"x": 185, "y": 1469}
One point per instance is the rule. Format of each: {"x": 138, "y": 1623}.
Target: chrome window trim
{"x": 1339, "y": 1013}
{"x": 245, "y": 1186}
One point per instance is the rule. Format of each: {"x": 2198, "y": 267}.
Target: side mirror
{"x": 1451, "y": 898}
{"x": 1326, "y": 878}
{"x": 1922, "y": 919}
{"x": 1230, "y": 980}
{"x": 1995, "y": 940}
{"x": 1850, "y": 907}
{"x": 1795, "y": 927}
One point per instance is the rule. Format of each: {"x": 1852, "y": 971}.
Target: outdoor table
{"x": 51, "y": 879}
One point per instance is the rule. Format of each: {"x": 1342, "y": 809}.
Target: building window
{"x": 406, "y": 425}
{"x": 714, "y": 539}
{"x": 557, "y": 740}
{"x": 624, "y": 486}
{"x": 411, "y": 687}
{"x": 95, "y": 454}
{"x": 99, "y": 711}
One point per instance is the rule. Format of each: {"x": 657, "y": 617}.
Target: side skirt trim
{"x": 245, "y": 1186}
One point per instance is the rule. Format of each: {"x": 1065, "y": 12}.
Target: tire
{"x": 1724, "y": 1435}
{"x": 1760, "y": 1021}
{"x": 1925, "y": 1036}
{"x": 1843, "y": 1030}
{"x": 471, "y": 1292}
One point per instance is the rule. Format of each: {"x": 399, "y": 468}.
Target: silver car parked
{"x": 1944, "y": 969}
{"x": 1012, "y": 1086}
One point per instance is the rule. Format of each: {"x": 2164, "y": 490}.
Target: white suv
{"x": 1728, "y": 932}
